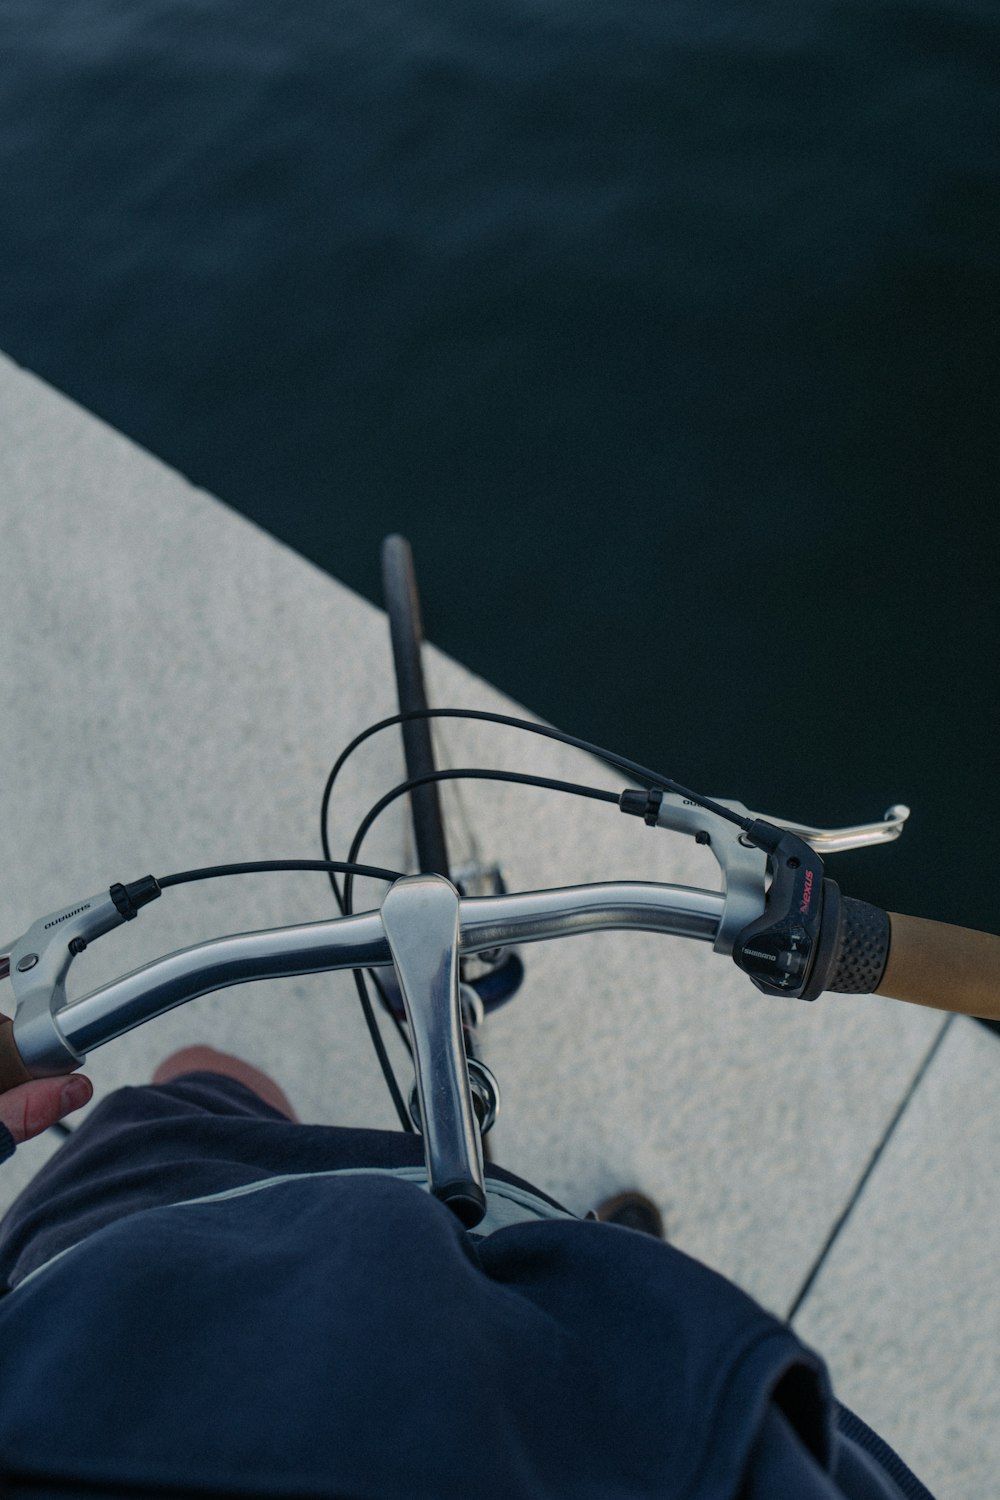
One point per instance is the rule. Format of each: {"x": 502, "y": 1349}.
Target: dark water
{"x": 667, "y": 332}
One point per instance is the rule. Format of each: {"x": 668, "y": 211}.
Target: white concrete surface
{"x": 176, "y": 684}
{"x": 919, "y": 1356}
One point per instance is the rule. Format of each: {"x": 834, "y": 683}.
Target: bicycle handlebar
{"x": 861, "y": 949}
{"x": 873, "y": 952}
{"x": 54, "y": 1036}
{"x": 422, "y": 928}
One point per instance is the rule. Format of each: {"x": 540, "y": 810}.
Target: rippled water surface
{"x": 667, "y": 332}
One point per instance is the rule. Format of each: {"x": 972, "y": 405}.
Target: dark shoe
{"x": 631, "y": 1211}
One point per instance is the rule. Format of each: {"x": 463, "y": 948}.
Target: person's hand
{"x": 29, "y": 1108}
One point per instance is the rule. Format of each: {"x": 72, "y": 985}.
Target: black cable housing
{"x": 329, "y": 867}
{"x": 641, "y": 773}
{"x": 255, "y": 867}
{"x": 344, "y": 901}
{"x": 597, "y": 794}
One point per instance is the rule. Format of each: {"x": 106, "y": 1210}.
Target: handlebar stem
{"x": 420, "y": 915}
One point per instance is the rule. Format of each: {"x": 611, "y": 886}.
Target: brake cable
{"x": 775, "y": 951}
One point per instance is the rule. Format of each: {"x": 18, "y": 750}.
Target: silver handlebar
{"x": 53, "y": 1035}
{"x": 75, "y": 1027}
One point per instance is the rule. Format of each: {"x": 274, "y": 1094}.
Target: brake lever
{"x": 859, "y": 836}
{"x": 772, "y": 931}
{"x": 744, "y": 867}
{"x": 39, "y": 961}
{"x": 776, "y": 932}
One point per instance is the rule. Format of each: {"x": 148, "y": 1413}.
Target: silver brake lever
{"x": 744, "y": 867}
{"x": 37, "y": 964}
{"x": 830, "y": 840}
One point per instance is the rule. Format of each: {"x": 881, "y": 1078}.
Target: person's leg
{"x": 207, "y": 1060}
{"x": 205, "y": 1126}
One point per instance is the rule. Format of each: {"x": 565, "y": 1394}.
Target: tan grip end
{"x": 12, "y": 1069}
{"x": 948, "y": 968}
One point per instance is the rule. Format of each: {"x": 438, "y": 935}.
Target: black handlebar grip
{"x": 863, "y": 947}
{"x": 12, "y": 1069}
{"x": 853, "y": 946}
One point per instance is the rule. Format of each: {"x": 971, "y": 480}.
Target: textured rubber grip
{"x": 852, "y": 947}
{"x": 862, "y": 946}
{"x": 945, "y": 967}
{"x": 12, "y": 1069}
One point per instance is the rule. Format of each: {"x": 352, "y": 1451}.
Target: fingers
{"x": 12, "y": 1069}
{"x": 30, "y": 1108}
